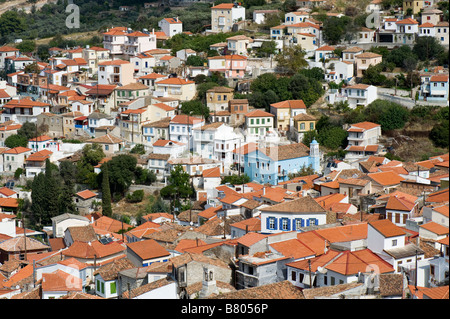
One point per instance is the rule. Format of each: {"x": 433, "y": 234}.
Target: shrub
{"x": 136, "y": 197}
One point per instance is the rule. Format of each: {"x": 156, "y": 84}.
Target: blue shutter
{"x": 317, "y": 221}
{"x": 307, "y": 222}
{"x": 302, "y": 222}
{"x": 281, "y": 223}
{"x": 275, "y": 224}
{"x": 293, "y": 224}
{"x": 288, "y": 225}
{"x": 267, "y": 222}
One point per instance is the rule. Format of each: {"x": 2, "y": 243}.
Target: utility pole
{"x": 310, "y": 279}
{"x": 24, "y": 237}
{"x": 415, "y": 274}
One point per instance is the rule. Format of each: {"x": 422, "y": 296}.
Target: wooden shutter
{"x": 397, "y": 218}
{"x": 389, "y": 216}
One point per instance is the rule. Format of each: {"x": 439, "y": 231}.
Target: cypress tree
{"x": 37, "y": 200}
{"x": 106, "y": 192}
{"x": 52, "y": 192}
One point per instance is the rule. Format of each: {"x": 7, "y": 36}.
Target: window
{"x": 285, "y": 224}
{"x": 293, "y": 276}
{"x": 271, "y": 222}
{"x": 332, "y": 280}
{"x": 298, "y": 223}
{"x": 394, "y": 242}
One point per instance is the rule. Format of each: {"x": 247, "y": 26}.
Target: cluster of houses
{"x": 362, "y": 227}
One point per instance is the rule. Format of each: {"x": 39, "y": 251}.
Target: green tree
{"x": 179, "y": 186}
{"x": 291, "y": 60}
{"x": 427, "y": 48}
{"x": 106, "y": 192}
{"x": 439, "y": 134}
{"x": 52, "y": 191}
{"x": 195, "y": 107}
{"x": 121, "y": 169}
{"x": 16, "y": 140}
{"x": 195, "y": 60}
{"x": 307, "y": 89}
{"x": 29, "y": 130}
{"x": 236, "y": 179}
{"x": 27, "y": 46}
{"x": 10, "y": 23}
{"x": 334, "y": 29}
{"x": 138, "y": 149}
{"x": 38, "y": 201}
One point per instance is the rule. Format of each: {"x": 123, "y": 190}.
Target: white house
{"x": 292, "y": 215}
{"x": 181, "y": 126}
{"x": 343, "y": 71}
{"x": 216, "y": 141}
{"x": 171, "y": 26}
{"x": 360, "y": 94}
{"x": 173, "y": 148}
{"x": 61, "y": 222}
{"x": 389, "y": 242}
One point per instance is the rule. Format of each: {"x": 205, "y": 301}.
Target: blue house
{"x": 434, "y": 88}
{"x": 273, "y": 164}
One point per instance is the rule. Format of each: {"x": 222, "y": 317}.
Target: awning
{"x": 306, "y": 279}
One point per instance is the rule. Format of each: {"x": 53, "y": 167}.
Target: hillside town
{"x": 300, "y": 151}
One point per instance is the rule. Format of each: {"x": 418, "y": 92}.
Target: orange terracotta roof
{"x": 7, "y": 192}
{"x": 293, "y": 104}
{"x": 93, "y": 249}
{"x": 439, "y": 196}
{"x": 86, "y": 194}
{"x": 175, "y": 81}
{"x": 435, "y": 228}
{"x": 386, "y": 178}
{"x": 60, "y": 281}
{"x": 353, "y": 262}
{"x": 211, "y": 172}
{"x": 293, "y": 248}
{"x": 148, "y": 249}
{"x": 387, "y": 228}
{"x": 400, "y": 204}
{"x": 259, "y": 113}
{"x": 18, "y": 150}
{"x": 343, "y": 233}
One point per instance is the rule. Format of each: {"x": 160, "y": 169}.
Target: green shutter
{"x": 112, "y": 287}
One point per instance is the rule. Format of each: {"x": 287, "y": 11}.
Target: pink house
{"x": 232, "y": 66}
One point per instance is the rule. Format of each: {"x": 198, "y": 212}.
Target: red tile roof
{"x": 387, "y": 228}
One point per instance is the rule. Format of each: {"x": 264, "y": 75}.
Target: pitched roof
{"x": 435, "y": 228}
{"x": 86, "y": 194}
{"x": 280, "y": 290}
{"x": 352, "y": 262}
{"x": 259, "y": 113}
{"x": 59, "y": 281}
{"x": 18, "y": 150}
{"x": 148, "y": 249}
{"x": 399, "y": 203}
{"x": 175, "y": 81}
{"x": 106, "y": 139}
{"x": 302, "y": 205}
{"x": 387, "y": 228}
{"x": 293, "y": 104}
{"x": 211, "y": 172}
{"x": 386, "y": 178}
{"x": 93, "y": 249}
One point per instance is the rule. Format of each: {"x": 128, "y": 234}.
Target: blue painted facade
{"x": 263, "y": 169}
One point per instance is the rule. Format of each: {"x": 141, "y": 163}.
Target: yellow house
{"x": 284, "y": 111}
{"x": 303, "y": 123}
{"x": 218, "y": 97}
{"x": 68, "y": 123}
{"x": 415, "y": 6}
